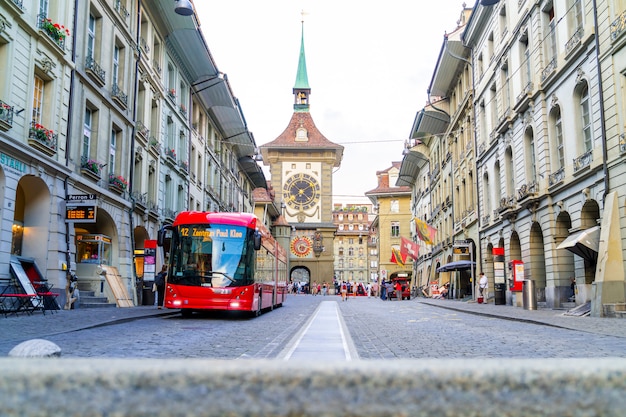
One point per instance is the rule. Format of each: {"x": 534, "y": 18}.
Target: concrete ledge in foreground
{"x": 191, "y": 387}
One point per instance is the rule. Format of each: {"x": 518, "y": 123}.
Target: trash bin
{"x": 529, "y": 298}
{"x": 147, "y": 294}
{"x": 499, "y": 295}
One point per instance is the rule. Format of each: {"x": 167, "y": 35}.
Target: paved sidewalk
{"x": 549, "y": 317}
{"x": 21, "y": 327}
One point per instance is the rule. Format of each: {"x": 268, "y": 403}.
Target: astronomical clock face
{"x": 301, "y": 246}
{"x": 301, "y": 192}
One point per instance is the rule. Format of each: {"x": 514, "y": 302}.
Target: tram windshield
{"x": 212, "y": 255}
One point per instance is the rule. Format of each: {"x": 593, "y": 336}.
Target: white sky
{"x": 369, "y": 65}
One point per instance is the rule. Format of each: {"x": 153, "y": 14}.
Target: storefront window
{"x": 16, "y": 240}
{"x": 93, "y": 249}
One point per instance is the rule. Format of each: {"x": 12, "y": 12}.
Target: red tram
{"x": 223, "y": 261}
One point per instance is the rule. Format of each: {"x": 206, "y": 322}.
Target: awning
{"x": 583, "y": 243}
{"x": 253, "y": 171}
{"x": 412, "y": 163}
{"x": 456, "y": 266}
{"x": 431, "y": 121}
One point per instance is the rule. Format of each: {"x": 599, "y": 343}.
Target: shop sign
{"x": 12, "y": 164}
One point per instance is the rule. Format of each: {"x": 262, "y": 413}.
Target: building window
{"x": 585, "y": 117}
{"x": 557, "y": 132}
{"x": 38, "y": 100}
{"x": 116, "y": 65}
{"x": 91, "y": 36}
{"x": 551, "y": 31}
{"x": 87, "y": 123}
{"x": 112, "y": 150}
{"x": 395, "y": 206}
{"x": 531, "y": 162}
{"x": 395, "y": 229}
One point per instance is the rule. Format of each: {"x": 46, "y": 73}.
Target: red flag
{"x": 425, "y": 231}
{"x": 409, "y": 248}
{"x": 397, "y": 257}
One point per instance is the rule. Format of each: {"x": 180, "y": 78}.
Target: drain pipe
{"x": 605, "y": 157}
{"x": 131, "y": 172}
{"x": 68, "y": 135}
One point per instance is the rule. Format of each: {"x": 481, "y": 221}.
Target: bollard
{"x": 529, "y": 297}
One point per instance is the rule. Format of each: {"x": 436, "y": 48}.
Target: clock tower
{"x": 301, "y": 162}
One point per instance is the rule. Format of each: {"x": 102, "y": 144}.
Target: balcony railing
{"x": 122, "y": 10}
{"x": 19, "y": 4}
{"x": 618, "y": 26}
{"x": 119, "y": 95}
{"x": 556, "y": 177}
{"x": 6, "y": 116}
{"x": 169, "y": 213}
{"x": 527, "y": 190}
{"x": 574, "y": 41}
{"x": 507, "y": 203}
{"x": 92, "y": 67}
{"x": 144, "y": 45}
{"x": 548, "y": 70}
{"x": 142, "y": 129}
{"x": 583, "y": 160}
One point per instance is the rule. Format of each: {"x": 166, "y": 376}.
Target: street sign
{"x": 76, "y": 198}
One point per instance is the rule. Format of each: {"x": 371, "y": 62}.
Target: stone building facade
{"x": 118, "y": 112}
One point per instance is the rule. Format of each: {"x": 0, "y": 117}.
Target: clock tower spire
{"x": 301, "y": 89}
{"x": 301, "y": 161}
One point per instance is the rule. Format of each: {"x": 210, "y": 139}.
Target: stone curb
{"x": 191, "y": 387}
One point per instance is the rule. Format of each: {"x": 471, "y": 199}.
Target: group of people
{"x": 348, "y": 288}
{"x": 388, "y": 288}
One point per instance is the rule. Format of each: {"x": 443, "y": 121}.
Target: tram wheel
{"x": 186, "y": 312}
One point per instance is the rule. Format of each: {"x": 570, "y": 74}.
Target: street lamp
{"x": 184, "y": 7}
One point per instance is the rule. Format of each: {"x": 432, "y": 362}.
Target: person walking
{"x": 159, "y": 281}
{"x": 344, "y": 291}
{"x": 482, "y": 284}
{"x": 398, "y": 288}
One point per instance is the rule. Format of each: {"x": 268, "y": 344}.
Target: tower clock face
{"x": 301, "y": 191}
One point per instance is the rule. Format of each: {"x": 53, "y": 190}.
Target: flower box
{"x": 117, "y": 183}
{"x": 43, "y": 139}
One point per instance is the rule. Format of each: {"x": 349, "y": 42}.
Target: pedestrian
{"x": 375, "y": 289}
{"x": 482, "y": 283}
{"x": 398, "y": 288}
{"x": 324, "y": 289}
{"x": 344, "y": 291}
{"x": 159, "y": 282}
{"x": 572, "y": 287}
{"x": 389, "y": 288}
{"x": 383, "y": 290}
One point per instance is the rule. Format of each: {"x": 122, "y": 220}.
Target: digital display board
{"x": 85, "y": 213}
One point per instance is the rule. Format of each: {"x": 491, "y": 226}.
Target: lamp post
{"x": 183, "y": 7}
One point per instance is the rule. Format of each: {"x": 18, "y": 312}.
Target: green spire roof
{"x": 302, "y": 79}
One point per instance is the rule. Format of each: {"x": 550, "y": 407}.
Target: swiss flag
{"x": 409, "y": 248}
